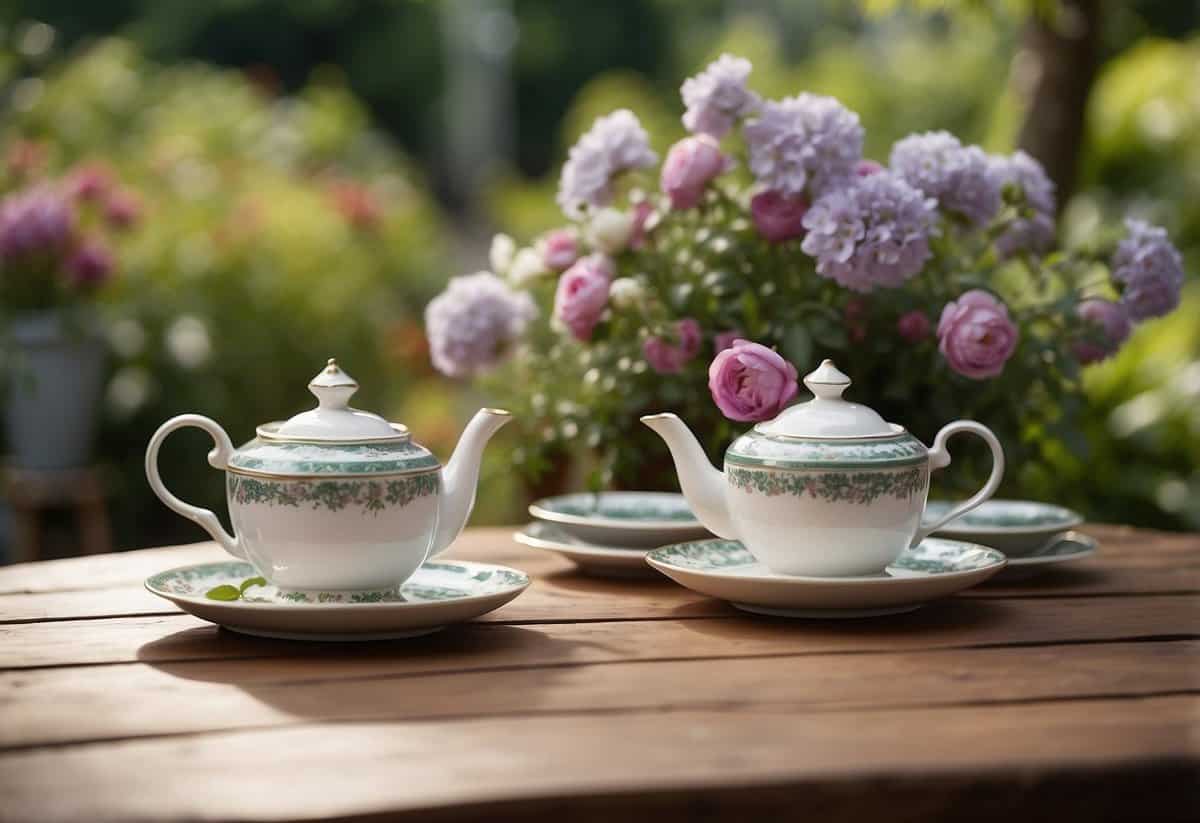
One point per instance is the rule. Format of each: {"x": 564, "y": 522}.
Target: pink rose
{"x": 641, "y": 213}
{"x": 560, "y": 249}
{"x": 1109, "y": 326}
{"x": 865, "y": 168}
{"x": 690, "y": 164}
{"x": 777, "y": 217}
{"x": 583, "y": 294}
{"x": 725, "y": 340}
{"x": 913, "y": 326}
{"x": 666, "y": 357}
{"x": 750, "y": 382}
{"x": 976, "y": 334}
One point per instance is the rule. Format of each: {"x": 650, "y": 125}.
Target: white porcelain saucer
{"x": 440, "y": 593}
{"x": 1019, "y": 528}
{"x": 725, "y": 569}
{"x": 1065, "y": 548}
{"x": 602, "y": 561}
{"x": 643, "y": 520}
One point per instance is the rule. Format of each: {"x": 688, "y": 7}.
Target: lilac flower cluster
{"x": 959, "y": 177}
{"x": 716, "y": 97}
{"x": 614, "y": 143}
{"x": 1036, "y": 232}
{"x": 471, "y": 323}
{"x": 874, "y": 232}
{"x": 35, "y": 222}
{"x": 804, "y": 145}
{"x": 1150, "y": 270}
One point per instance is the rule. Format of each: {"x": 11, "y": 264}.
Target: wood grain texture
{"x": 65, "y": 705}
{"x": 406, "y": 768}
{"x": 1071, "y": 697}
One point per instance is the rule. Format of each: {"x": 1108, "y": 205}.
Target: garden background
{"x": 309, "y": 174}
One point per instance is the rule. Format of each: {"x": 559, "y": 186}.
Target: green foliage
{"x": 275, "y": 233}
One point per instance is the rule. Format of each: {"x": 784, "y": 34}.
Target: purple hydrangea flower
{"x": 1151, "y": 270}
{"x": 1034, "y": 233}
{"x": 872, "y": 233}
{"x": 36, "y": 221}
{"x": 804, "y": 145}
{"x": 613, "y": 144}
{"x": 959, "y": 176}
{"x": 472, "y": 321}
{"x": 716, "y": 97}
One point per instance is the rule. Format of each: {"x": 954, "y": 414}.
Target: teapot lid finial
{"x": 827, "y": 381}
{"x": 828, "y": 414}
{"x": 332, "y": 387}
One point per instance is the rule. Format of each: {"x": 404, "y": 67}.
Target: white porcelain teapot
{"x": 335, "y": 498}
{"x": 826, "y": 489}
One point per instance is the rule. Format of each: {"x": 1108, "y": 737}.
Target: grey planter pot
{"x": 53, "y": 391}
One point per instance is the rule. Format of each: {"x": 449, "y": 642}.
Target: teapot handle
{"x": 939, "y": 457}
{"x": 218, "y": 458}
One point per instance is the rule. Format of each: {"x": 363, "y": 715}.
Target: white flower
{"x": 610, "y": 230}
{"x": 500, "y": 256}
{"x": 626, "y": 293}
{"x": 716, "y": 97}
{"x": 526, "y": 267}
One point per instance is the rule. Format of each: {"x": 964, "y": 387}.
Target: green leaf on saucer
{"x": 225, "y": 592}
{"x": 253, "y": 581}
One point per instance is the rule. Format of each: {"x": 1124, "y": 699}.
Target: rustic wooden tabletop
{"x": 1075, "y": 696}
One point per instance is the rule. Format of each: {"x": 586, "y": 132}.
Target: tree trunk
{"x": 1061, "y": 51}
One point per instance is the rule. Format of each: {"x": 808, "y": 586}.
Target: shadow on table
{"x": 955, "y": 615}
{"x": 377, "y": 680}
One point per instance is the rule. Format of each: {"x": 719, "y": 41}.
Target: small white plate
{"x": 1067, "y": 547}
{"x": 725, "y": 569}
{"x": 438, "y": 594}
{"x": 643, "y": 520}
{"x": 1016, "y": 527}
{"x": 602, "y": 561}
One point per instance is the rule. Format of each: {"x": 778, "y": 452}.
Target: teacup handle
{"x": 939, "y": 458}
{"x": 218, "y": 458}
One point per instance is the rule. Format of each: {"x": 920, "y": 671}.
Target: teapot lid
{"x": 333, "y": 419}
{"x": 827, "y": 414}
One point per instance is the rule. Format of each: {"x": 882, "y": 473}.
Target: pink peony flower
{"x": 90, "y": 264}
{"x": 778, "y": 217}
{"x": 560, "y": 249}
{"x": 725, "y": 340}
{"x": 913, "y": 326}
{"x": 1109, "y": 327}
{"x": 641, "y": 214}
{"x": 666, "y": 357}
{"x": 977, "y": 336}
{"x": 582, "y": 294}
{"x": 690, "y": 164}
{"x": 865, "y": 168}
{"x": 750, "y": 382}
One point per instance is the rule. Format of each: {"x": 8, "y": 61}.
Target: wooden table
{"x": 1073, "y": 697}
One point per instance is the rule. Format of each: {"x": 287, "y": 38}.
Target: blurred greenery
{"x": 275, "y": 232}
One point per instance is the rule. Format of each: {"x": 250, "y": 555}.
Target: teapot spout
{"x": 702, "y": 485}
{"x": 461, "y": 476}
